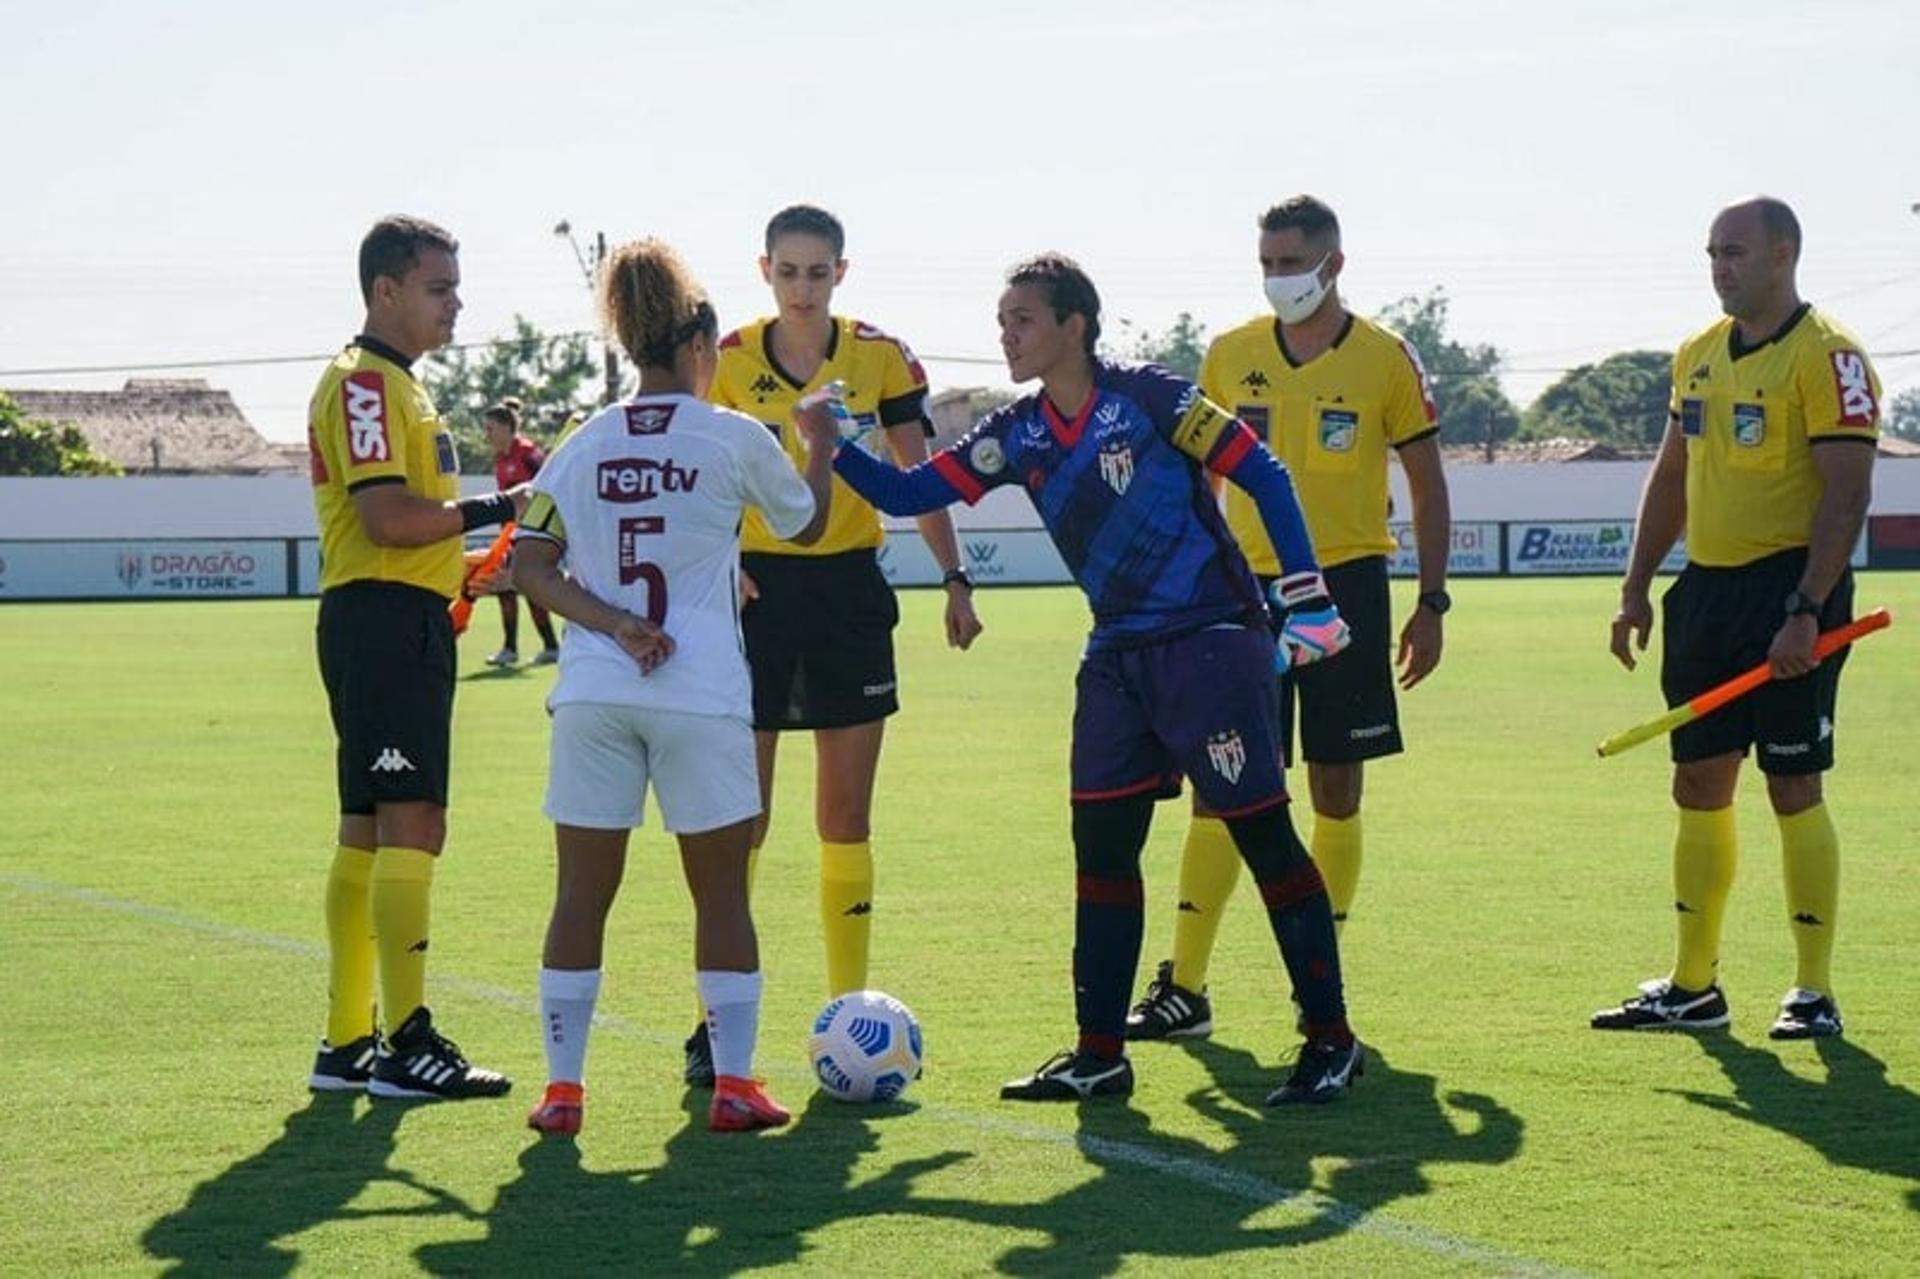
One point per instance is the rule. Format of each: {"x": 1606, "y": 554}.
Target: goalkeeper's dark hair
{"x": 393, "y": 247}
{"x": 1313, "y": 218}
{"x": 807, "y": 219}
{"x": 506, "y": 412}
{"x": 1069, "y": 290}
{"x": 651, "y": 303}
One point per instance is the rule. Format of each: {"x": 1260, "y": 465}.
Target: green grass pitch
{"x": 168, "y": 819}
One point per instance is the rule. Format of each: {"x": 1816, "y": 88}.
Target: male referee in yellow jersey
{"x": 1331, "y": 394}
{"x": 385, "y": 489}
{"x": 1767, "y": 466}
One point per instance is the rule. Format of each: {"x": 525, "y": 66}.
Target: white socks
{"x": 566, "y": 1011}
{"x": 733, "y": 1018}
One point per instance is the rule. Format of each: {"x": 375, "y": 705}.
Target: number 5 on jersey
{"x": 634, "y": 567}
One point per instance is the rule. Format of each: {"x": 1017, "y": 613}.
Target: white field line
{"x": 1221, "y": 1180}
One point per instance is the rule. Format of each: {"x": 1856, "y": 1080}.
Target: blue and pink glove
{"x": 1311, "y": 628}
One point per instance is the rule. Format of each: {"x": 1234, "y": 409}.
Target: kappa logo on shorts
{"x": 1855, "y": 388}
{"x": 1228, "y": 754}
{"x": 1371, "y": 730}
{"x": 364, "y": 398}
{"x": 391, "y": 760}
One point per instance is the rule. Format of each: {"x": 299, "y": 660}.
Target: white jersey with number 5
{"x": 646, "y": 499}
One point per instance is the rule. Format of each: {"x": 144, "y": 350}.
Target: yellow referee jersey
{"x": 1750, "y": 417}
{"x": 885, "y": 387}
{"x": 1331, "y": 420}
{"x": 369, "y": 422}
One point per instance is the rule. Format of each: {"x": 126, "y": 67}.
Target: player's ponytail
{"x": 506, "y": 413}
{"x": 651, "y": 303}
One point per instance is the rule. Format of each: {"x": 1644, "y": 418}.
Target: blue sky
{"x": 189, "y": 182}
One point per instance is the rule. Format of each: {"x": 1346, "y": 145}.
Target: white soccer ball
{"x": 865, "y": 1046}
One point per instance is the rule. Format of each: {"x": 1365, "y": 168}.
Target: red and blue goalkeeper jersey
{"x": 1122, "y": 492}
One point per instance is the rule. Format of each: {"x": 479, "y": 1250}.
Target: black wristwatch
{"x": 1800, "y": 603}
{"x": 959, "y": 575}
{"x": 1436, "y": 602}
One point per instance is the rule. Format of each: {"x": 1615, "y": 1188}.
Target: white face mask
{"x": 1295, "y": 297}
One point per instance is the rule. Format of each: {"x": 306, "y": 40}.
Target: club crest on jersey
{"x": 1116, "y": 466}
{"x": 1855, "y": 388}
{"x": 1228, "y": 754}
{"x": 1339, "y": 429}
{"x": 649, "y": 419}
{"x": 987, "y": 457}
{"x": 1749, "y": 425}
{"x": 364, "y": 397}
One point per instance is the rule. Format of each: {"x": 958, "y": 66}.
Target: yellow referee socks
{"x": 1810, "y": 856}
{"x": 1209, "y": 868}
{"x": 1704, "y": 855}
{"x": 1336, "y": 851}
{"x": 402, "y": 889}
{"x": 349, "y": 946}
{"x": 846, "y": 912}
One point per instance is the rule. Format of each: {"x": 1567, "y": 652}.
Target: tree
{"x": 1903, "y": 414}
{"x": 1472, "y": 407}
{"x": 30, "y": 447}
{"x": 1179, "y": 349}
{"x": 1622, "y": 401}
{"x": 554, "y": 377}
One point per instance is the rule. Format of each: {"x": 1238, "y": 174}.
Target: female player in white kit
{"x": 642, "y": 505}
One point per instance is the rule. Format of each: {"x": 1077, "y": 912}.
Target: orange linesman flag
{"x": 483, "y": 567}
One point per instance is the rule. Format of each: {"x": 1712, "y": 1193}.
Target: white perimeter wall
{"x": 282, "y": 506}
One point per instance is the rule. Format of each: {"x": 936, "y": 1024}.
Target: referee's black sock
{"x": 1301, "y": 916}
{"x": 1109, "y": 914}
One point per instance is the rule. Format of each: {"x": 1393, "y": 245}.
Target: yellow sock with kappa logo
{"x": 1810, "y": 856}
{"x": 1336, "y": 850}
{"x": 1209, "y": 868}
{"x": 349, "y": 945}
{"x": 1705, "y": 853}
{"x": 402, "y": 909}
{"x": 846, "y": 912}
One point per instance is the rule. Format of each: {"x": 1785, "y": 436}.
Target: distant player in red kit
{"x": 517, "y": 457}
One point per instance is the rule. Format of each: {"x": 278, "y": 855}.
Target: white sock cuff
{"x": 569, "y": 983}
{"x": 719, "y": 988}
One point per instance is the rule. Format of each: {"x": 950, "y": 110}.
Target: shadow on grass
{"x": 1380, "y": 1139}
{"x": 329, "y": 1153}
{"x": 1854, "y": 1118}
{"x": 716, "y": 1204}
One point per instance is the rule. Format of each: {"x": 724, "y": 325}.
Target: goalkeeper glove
{"x": 1311, "y": 628}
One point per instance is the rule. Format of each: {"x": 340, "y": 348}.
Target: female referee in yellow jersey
{"x": 819, "y": 621}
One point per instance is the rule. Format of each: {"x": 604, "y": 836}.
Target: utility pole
{"x": 589, "y": 270}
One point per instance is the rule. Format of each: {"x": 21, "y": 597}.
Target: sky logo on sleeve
{"x": 364, "y": 396}
{"x": 1855, "y": 389}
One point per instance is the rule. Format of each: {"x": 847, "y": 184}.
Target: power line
{"x": 256, "y": 361}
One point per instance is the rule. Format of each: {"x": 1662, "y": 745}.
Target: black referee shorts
{"x": 820, "y": 640}
{"x": 1346, "y": 704}
{"x": 386, "y": 657}
{"x": 1719, "y": 622}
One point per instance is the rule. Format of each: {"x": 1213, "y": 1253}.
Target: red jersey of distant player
{"x": 520, "y": 463}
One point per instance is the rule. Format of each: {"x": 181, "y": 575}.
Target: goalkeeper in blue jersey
{"x": 1177, "y": 675}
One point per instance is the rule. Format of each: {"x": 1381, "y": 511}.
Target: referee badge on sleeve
{"x": 1692, "y": 414}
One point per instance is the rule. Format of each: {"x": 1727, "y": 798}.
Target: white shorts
{"x": 604, "y": 756}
